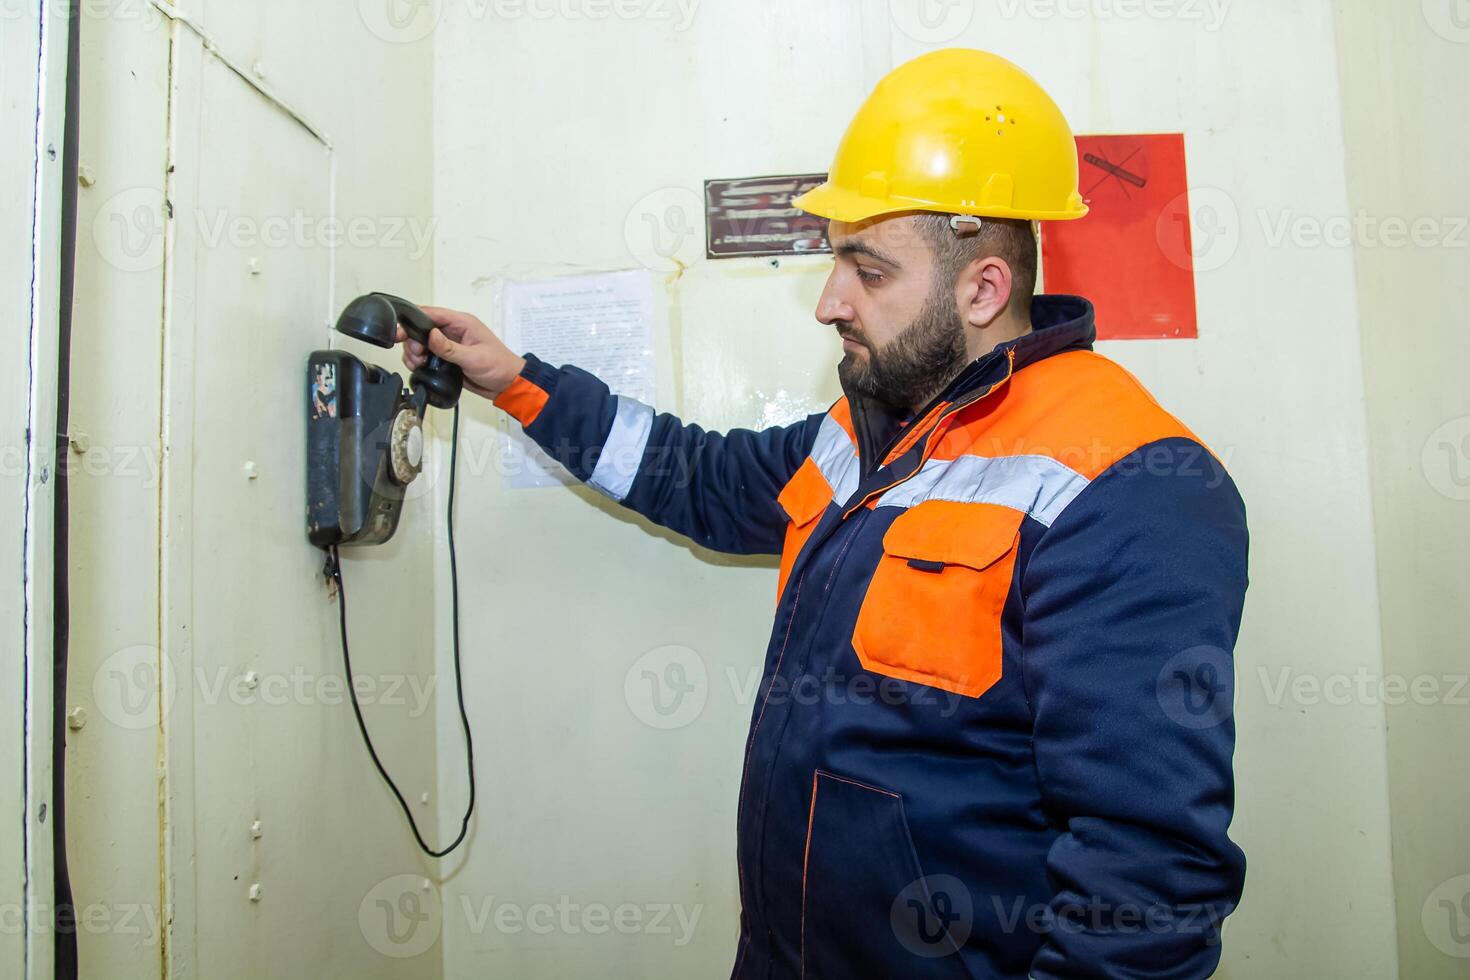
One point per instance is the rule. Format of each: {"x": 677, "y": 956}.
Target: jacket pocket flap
{"x": 973, "y": 535}
{"x": 806, "y": 495}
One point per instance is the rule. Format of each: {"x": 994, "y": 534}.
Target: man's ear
{"x": 983, "y": 291}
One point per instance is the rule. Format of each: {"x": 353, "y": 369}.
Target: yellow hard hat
{"x": 956, "y": 132}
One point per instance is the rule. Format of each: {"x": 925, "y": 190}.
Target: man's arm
{"x": 718, "y": 489}
{"x": 1133, "y": 603}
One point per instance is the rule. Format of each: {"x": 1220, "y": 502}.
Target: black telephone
{"x": 364, "y": 430}
{"x": 364, "y": 446}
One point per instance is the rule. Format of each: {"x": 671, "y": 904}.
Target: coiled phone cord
{"x": 334, "y": 569}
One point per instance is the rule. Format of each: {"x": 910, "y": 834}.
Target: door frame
{"x": 33, "y": 90}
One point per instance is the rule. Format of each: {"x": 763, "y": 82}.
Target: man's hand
{"x": 489, "y": 366}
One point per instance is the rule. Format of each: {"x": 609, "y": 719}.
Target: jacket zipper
{"x": 932, "y": 442}
{"x": 780, "y": 735}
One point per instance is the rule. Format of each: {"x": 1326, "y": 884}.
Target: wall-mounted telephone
{"x": 364, "y": 446}
{"x": 364, "y": 433}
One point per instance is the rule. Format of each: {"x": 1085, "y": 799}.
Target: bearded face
{"x": 913, "y": 366}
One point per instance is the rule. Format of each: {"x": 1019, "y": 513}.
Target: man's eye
{"x": 866, "y": 276}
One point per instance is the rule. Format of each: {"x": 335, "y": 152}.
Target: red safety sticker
{"x": 1132, "y": 255}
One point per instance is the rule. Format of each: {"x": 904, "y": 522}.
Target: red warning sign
{"x": 1132, "y": 254}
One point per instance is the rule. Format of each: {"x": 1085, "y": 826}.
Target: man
{"x": 1012, "y": 580}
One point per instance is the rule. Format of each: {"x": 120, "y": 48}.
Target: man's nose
{"x": 831, "y": 307}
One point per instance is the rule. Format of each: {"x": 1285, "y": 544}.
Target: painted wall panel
{"x": 1410, "y": 242}
{"x": 196, "y": 350}
{"x": 341, "y": 65}
{"x": 116, "y": 465}
{"x": 268, "y": 735}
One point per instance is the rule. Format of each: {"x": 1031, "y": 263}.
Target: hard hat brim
{"x": 827, "y": 200}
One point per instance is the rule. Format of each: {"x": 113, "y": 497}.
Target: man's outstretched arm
{"x": 719, "y": 489}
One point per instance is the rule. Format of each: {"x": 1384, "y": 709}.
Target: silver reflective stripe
{"x": 1036, "y": 485}
{"x": 837, "y": 458}
{"x": 623, "y": 452}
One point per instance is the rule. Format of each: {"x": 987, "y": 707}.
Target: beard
{"x": 913, "y": 367}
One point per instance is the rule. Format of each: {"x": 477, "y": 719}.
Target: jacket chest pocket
{"x": 804, "y": 498}
{"x": 932, "y": 614}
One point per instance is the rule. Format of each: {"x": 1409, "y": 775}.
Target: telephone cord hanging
{"x": 334, "y": 570}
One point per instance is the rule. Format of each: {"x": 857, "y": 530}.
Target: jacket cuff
{"x": 528, "y": 394}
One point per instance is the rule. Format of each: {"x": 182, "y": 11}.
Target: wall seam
{"x": 179, "y": 17}
{"x": 1336, "y": 11}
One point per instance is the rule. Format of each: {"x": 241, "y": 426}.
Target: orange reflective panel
{"x": 523, "y": 400}
{"x": 804, "y": 498}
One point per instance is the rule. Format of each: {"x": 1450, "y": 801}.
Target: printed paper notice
{"x": 603, "y": 324}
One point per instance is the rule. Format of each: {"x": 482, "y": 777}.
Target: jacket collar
{"x": 1058, "y": 324}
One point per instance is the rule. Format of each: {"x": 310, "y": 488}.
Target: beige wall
{"x": 1405, "y": 71}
